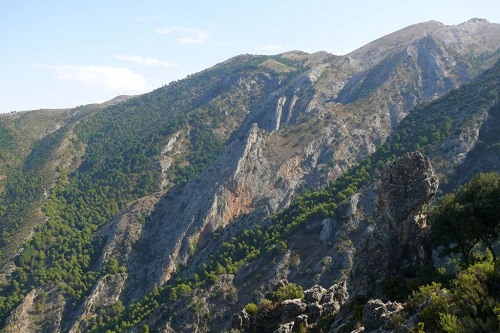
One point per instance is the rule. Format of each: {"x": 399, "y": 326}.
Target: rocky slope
{"x": 387, "y": 233}
{"x": 276, "y": 125}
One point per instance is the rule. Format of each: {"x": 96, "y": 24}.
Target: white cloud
{"x": 148, "y": 61}
{"x": 186, "y": 35}
{"x": 110, "y": 78}
{"x": 271, "y": 47}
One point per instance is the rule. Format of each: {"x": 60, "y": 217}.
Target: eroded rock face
{"x": 407, "y": 184}
{"x": 40, "y": 311}
{"x": 105, "y": 293}
{"x": 202, "y": 310}
{"x": 377, "y": 314}
{"x": 397, "y": 245}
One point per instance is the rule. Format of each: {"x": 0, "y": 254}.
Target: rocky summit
{"x": 285, "y": 193}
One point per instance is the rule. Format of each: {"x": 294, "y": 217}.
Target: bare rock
{"x": 292, "y": 307}
{"x": 376, "y": 314}
{"x": 240, "y": 320}
{"x": 40, "y": 311}
{"x": 105, "y": 293}
{"x": 301, "y": 320}
{"x": 314, "y": 294}
{"x": 285, "y": 328}
{"x": 314, "y": 311}
{"x": 407, "y": 184}
{"x": 397, "y": 245}
{"x": 336, "y": 294}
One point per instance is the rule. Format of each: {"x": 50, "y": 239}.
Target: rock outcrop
{"x": 104, "y": 294}
{"x": 290, "y": 314}
{"x": 397, "y": 244}
{"x": 40, "y": 311}
{"x": 377, "y": 314}
{"x": 202, "y": 310}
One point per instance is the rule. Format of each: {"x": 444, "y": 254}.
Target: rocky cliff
{"x": 273, "y": 126}
{"x": 388, "y": 242}
{"x": 396, "y": 245}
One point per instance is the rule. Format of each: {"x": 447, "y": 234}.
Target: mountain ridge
{"x": 142, "y": 188}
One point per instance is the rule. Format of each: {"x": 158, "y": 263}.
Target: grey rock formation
{"x": 40, "y": 311}
{"x": 397, "y": 246}
{"x": 203, "y": 310}
{"x": 292, "y": 307}
{"x": 104, "y": 294}
{"x": 285, "y": 328}
{"x": 377, "y": 314}
{"x": 314, "y": 294}
{"x": 291, "y": 313}
{"x": 240, "y": 320}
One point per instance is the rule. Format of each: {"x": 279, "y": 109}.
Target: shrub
{"x": 289, "y": 291}
{"x": 449, "y": 323}
{"x": 265, "y": 304}
{"x": 251, "y": 309}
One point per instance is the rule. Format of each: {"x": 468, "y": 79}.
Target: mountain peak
{"x": 477, "y": 20}
{"x": 462, "y": 36}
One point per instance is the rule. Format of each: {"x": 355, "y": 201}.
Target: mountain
{"x": 176, "y": 208}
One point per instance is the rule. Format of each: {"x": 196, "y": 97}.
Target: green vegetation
{"x": 289, "y": 291}
{"x": 22, "y": 190}
{"x": 7, "y": 144}
{"x": 470, "y": 304}
{"x": 468, "y": 217}
{"x": 251, "y": 309}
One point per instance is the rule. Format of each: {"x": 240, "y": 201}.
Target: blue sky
{"x": 65, "y": 53}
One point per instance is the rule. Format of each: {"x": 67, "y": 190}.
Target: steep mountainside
{"x": 175, "y": 208}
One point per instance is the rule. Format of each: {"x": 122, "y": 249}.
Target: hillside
{"x": 176, "y": 208}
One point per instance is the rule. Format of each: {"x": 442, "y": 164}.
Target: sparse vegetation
{"x": 289, "y": 291}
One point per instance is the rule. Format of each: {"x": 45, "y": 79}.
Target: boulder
{"x": 314, "y": 294}
{"x": 291, "y": 308}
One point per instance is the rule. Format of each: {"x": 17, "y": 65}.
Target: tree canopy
{"x": 469, "y": 216}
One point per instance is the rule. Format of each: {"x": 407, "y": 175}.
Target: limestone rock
{"x": 376, "y": 314}
{"x": 407, "y": 184}
{"x": 314, "y": 310}
{"x": 398, "y": 243}
{"x": 105, "y": 293}
{"x": 285, "y": 328}
{"x": 240, "y": 320}
{"x": 40, "y": 311}
{"x": 314, "y": 294}
{"x": 336, "y": 293}
{"x": 292, "y": 308}
{"x": 301, "y": 320}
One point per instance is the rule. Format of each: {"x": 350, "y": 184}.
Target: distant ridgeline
{"x": 87, "y": 195}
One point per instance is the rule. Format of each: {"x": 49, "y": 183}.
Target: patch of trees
{"x": 470, "y": 302}
{"x": 467, "y": 217}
